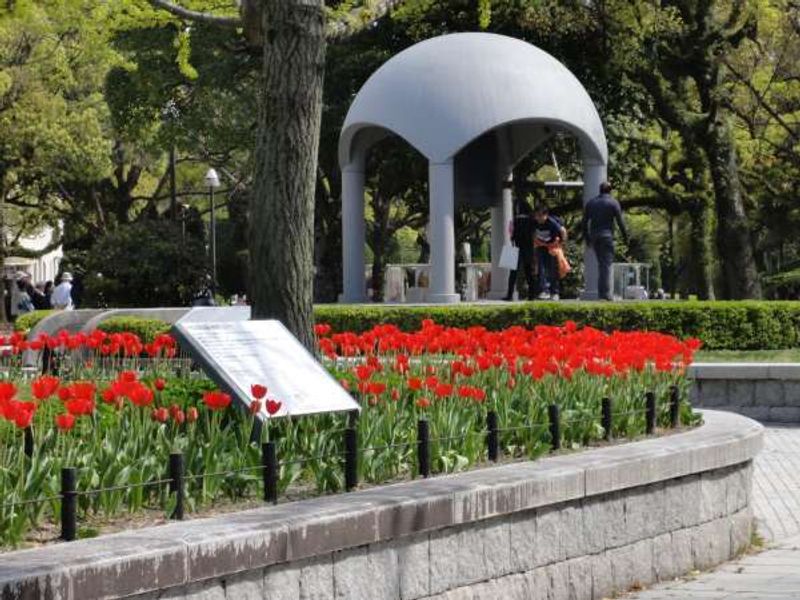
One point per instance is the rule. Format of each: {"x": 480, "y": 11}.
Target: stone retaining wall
{"x": 578, "y": 526}
{"x": 768, "y": 392}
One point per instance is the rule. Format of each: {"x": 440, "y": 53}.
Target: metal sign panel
{"x": 237, "y": 354}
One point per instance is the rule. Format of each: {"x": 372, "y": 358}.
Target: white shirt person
{"x": 62, "y": 294}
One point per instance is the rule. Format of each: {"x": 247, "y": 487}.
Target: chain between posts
{"x": 270, "y": 466}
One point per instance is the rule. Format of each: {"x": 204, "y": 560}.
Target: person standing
{"x": 547, "y": 233}
{"x": 48, "y": 294}
{"x": 22, "y": 301}
{"x": 62, "y": 294}
{"x": 522, "y": 237}
{"x": 599, "y": 216}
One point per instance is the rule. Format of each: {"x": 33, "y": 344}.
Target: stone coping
{"x": 180, "y": 553}
{"x": 744, "y": 371}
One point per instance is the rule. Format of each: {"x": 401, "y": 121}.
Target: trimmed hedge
{"x": 146, "y": 329}
{"x": 28, "y": 321}
{"x": 746, "y": 325}
{"x": 743, "y": 325}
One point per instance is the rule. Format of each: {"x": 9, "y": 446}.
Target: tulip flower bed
{"x": 118, "y": 408}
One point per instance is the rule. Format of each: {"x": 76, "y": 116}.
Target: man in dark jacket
{"x": 599, "y": 216}
{"x": 522, "y": 236}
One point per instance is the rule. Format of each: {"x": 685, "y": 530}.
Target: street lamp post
{"x": 212, "y": 181}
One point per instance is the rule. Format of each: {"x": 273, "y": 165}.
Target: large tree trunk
{"x": 740, "y": 275}
{"x": 700, "y": 257}
{"x": 282, "y": 207}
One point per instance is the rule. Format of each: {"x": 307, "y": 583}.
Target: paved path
{"x": 775, "y": 573}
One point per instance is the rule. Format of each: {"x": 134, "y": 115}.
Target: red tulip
{"x": 127, "y": 376}
{"x": 322, "y": 329}
{"x": 192, "y": 414}
{"x": 161, "y": 415}
{"x": 255, "y": 407}
{"x": 273, "y": 406}
{"x": 258, "y": 391}
{"x": 423, "y": 403}
{"x": 65, "y": 422}
{"x": 44, "y": 387}
{"x": 141, "y": 395}
{"x": 179, "y": 416}
{"x": 216, "y": 400}
{"x": 414, "y": 383}
{"x": 80, "y": 406}
{"x": 108, "y": 395}
{"x": 23, "y": 418}
{"x": 159, "y": 384}
{"x": 376, "y": 387}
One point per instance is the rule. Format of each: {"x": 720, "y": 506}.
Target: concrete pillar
{"x": 353, "y": 233}
{"x": 442, "y": 287}
{"x": 501, "y": 217}
{"x": 594, "y": 173}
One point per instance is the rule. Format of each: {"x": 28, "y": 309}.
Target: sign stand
{"x": 237, "y": 353}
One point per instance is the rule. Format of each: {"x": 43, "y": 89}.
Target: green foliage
{"x": 145, "y": 264}
{"x": 28, "y": 321}
{"x": 146, "y": 329}
{"x": 720, "y": 325}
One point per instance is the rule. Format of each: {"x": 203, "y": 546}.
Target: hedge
{"x": 28, "y": 321}
{"x": 742, "y": 325}
{"x": 146, "y": 329}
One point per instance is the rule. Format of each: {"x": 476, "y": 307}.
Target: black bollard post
{"x": 650, "y": 413}
{"x": 675, "y": 407}
{"x": 554, "y": 415}
{"x": 269, "y": 464}
{"x": 176, "y": 483}
{"x": 423, "y": 448}
{"x": 350, "y": 459}
{"x": 492, "y": 436}
{"x": 607, "y": 419}
{"x": 28, "y": 441}
{"x": 69, "y": 525}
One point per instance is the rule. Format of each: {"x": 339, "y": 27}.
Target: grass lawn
{"x": 780, "y": 356}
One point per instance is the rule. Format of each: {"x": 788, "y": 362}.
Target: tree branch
{"x": 193, "y": 15}
{"x": 358, "y": 20}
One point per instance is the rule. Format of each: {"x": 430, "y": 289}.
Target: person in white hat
{"x": 62, "y": 295}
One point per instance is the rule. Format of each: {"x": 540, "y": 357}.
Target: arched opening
{"x": 473, "y": 105}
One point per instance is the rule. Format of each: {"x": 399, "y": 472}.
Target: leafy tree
{"x": 52, "y": 60}
{"x": 148, "y": 263}
{"x": 292, "y": 36}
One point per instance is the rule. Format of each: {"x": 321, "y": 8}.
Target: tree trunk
{"x": 379, "y": 239}
{"x": 740, "y": 275}
{"x": 3, "y": 316}
{"x": 282, "y": 207}
{"x": 700, "y": 251}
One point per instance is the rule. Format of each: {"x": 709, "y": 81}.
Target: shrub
{"x": 745, "y": 325}
{"x": 28, "y": 321}
{"x": 150, "y": 263}
{"x": 146, "y": 329}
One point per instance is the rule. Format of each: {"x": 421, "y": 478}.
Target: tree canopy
{"x": 110, "y": 113}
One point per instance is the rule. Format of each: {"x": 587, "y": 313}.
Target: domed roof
{"x": 444, "y": 92}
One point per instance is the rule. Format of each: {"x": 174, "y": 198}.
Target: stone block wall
{"x": 768, "y": 392}
{"x": 580, "y": 550}
{"x": 580, "y": 526}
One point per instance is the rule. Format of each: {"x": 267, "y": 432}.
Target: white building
{"x": 43, "y": 268}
